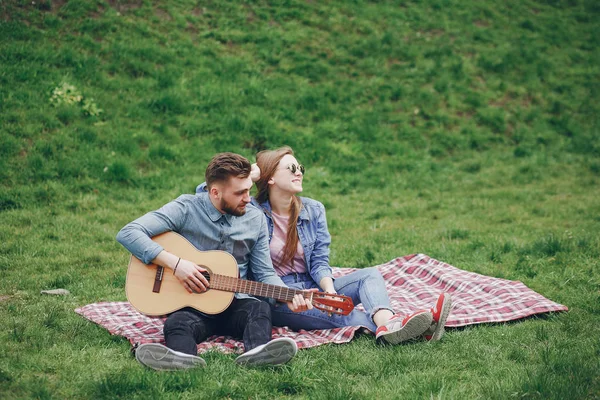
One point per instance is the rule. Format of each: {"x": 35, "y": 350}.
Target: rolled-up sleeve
{"x": 136, "y": 235}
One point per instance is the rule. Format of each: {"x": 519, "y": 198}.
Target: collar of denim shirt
{"x": 212, "y": 211}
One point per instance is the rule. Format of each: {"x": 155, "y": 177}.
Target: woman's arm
{"x": 326, "y": 285}
{"x": 319, "y": 267}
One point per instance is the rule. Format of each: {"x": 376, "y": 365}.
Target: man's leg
{"x": 183, "y": 330}
{"x": 250, "y": 319}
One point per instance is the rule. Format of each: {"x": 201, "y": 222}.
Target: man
{"x": 220, "y": 219}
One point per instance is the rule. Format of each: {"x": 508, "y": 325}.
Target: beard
{"x": 231, "y": 209}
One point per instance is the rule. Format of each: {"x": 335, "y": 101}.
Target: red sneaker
{"x": 398, "y": 330}
{"x": 440, "y": 313}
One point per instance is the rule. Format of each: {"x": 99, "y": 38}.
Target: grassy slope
{"x": 465, "y": 131}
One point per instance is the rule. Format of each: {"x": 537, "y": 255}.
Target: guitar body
{"x": 172, "y": 295}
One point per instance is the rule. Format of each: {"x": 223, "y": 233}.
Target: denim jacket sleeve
{"x": 319, "y": 261}
{"x": 201, "y": 188}
{"x": 135, "y": 236}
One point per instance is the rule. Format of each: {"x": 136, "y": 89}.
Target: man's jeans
{"x": 364, "y": 286}
{"x": 248, "y": 319}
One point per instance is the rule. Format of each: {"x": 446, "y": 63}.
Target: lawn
{"x": 468, "y": 131}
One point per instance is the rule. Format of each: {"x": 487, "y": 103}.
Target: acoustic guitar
{"x": 154, "y": 290}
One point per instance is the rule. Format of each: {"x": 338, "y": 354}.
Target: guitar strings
{"x": 233, "y": 284}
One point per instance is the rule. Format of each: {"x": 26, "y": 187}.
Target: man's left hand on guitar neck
{"x": 299, "y": 304}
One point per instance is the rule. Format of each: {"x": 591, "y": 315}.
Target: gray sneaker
{"x": 275, "y": 352}
{"x": 162, "y": 358}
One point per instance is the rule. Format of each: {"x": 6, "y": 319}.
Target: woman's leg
{"x": 316, "y": 319}
{"x": 367, "y": 286}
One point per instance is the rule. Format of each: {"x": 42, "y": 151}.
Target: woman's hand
{"x": 190, "y": 276}
{"x": 327, "y": 285}
{"x": 254, "y": 173}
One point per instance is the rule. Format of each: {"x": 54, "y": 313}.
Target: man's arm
{"x": 136, "y": 237}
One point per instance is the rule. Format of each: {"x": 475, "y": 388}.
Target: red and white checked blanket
{"x": 413, "y": 283}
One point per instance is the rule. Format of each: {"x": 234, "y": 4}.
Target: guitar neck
{"x": 237, "y": 285}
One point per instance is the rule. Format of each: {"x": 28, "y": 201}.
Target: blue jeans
{"x": 365, "y": 286}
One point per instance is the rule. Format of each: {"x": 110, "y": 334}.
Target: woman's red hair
{"x": 268, "y": 162}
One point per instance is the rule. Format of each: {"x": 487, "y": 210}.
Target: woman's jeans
{"x": 248, "y": 319}
{"x": 364, "y": 286}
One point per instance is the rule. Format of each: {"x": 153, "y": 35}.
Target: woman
{"x": 299, "y": 244}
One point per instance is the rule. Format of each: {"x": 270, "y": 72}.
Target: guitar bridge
{"x": 158, "y": 279}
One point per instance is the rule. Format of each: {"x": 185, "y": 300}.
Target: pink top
{"x": 297, "y": 264}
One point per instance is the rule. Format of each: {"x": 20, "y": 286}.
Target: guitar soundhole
{"x": 207, "y": 273}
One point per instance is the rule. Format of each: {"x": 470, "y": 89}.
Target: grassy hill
{"x": 469, "y": 131}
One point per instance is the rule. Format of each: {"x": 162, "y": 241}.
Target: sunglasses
{"x": 293, "y": 168}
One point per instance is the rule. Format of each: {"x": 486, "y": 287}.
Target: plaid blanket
{"x": 413, "y": 283}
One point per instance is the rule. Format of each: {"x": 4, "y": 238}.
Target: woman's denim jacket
{"x": 312, "y": 232}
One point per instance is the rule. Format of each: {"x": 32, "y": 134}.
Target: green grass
{"x": 466, "y": 131}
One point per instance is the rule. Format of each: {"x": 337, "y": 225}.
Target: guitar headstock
{"x": 332, "y": 303}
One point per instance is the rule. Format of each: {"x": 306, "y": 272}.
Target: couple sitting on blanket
{"x": 279, "y": 239}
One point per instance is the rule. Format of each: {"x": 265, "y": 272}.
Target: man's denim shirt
{"x": 195, "y": 218}
{"x": 312, "y": 232}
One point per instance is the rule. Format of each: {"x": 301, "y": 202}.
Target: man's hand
{"x": 254, "y": 172}
{"x": 299, "y": 304}
{"x": 190, "y": 276}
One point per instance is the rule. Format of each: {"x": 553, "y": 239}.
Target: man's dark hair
{"x": 225, "y": 165}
